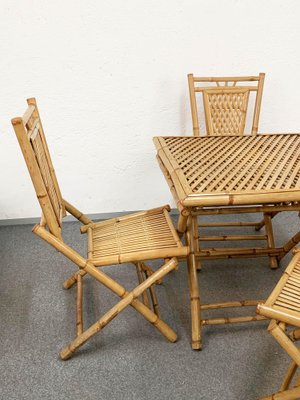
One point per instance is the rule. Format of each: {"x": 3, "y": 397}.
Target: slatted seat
{"x": 136, "y": 236}
{"x": 283, "y": 308}
{"x": 146, "y": 235}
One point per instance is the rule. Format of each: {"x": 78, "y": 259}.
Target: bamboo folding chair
{"x": 134, "y": 238}
{"x": 283, "y": 308}
{"x": 225, "y": 107}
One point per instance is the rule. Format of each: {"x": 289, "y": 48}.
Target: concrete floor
{"x": 130, "y": 359}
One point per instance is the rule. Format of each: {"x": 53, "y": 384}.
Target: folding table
{"x": 214, "y": 175}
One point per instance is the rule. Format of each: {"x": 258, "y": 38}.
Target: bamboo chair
{"x": 134, "y": 238}
{"x": 283, "y": 308}
{"x": 225, "y": 107}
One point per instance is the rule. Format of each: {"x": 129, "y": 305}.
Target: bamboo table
{"x": 213, "y": 175}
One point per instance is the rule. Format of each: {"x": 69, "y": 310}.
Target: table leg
{"x": 196, "y": 241}
{"x": 193, "y": 285}
{"x": 271, "y": 244}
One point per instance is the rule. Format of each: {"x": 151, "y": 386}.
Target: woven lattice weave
{"x": 233, "y": 165}
{"x": 225, "y": 112}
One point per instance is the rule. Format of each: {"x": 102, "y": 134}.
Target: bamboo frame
{"x": 226, "y": 93}
{"x": 133, "y": 238}
{"x": 200, "y": 162}
{"x": 283, "y": 307}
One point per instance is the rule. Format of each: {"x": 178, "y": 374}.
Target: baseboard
{"x": 70, "y": 218}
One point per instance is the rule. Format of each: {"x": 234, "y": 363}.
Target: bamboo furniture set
{"x": 225, "y": 172}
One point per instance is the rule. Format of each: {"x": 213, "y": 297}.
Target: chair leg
{"x": 261, "y": 223}
{"x": 107, "y": 281}
{"x": 79, "y": 315}
{"x": 288, "y": 376}
{"x": 148, "y": 272}
{"x": 290, "y": 244}
{"x": 284, "y": 341}
{"x": 278, "y": 332}
{"x": 194, "y": 287}
{"x": 141, "y": 279}
{"x": 128, "y": 298}
{"x": 68, "y": 283}
{"x": 290, "y": 394}
{"x": 270, "y": 239}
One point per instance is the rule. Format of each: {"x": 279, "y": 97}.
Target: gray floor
{"x": 129, "y": 359}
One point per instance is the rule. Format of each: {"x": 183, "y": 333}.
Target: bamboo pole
{"x": 257, "y": 106}
{"x": 224, "y": 224}
{"x": 194, "y": 290}
{"x": 182, "y": 224}
{"x": 241, "y": 198}
{"x": 270, "y": 239}
{"x": 244, "y": 210}
{"x": 148, "y": 272}
{"x": 291, "y": 394}
{"x": 290, "y": 244}
{"x": 284, "y": 342}
{"x": 231, "y": 237}
{"x": 231, "y": 252}
{"x": 76, "y": 213}
{"x": 249, "y": 78}
{"x": 289, "y": 376}
{"x": 225, "y": 89}
{"x": 141, "y": 280}
{"x": 195, "y": 238}
{"x": 79, "y": 319}
{"x": 261, "y": 224}
{"x": 115, "y": 310}
{"x": 232, "y": 320}
{"x": 229, "y": 304}
{"x": 196, "y": 129}
{"x": 106, "y": 280}
{"x": 294, "y": 334}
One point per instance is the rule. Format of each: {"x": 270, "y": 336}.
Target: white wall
{"x": 109, "y": 75}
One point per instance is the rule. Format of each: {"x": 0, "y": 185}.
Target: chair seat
{"x": 140, "y": 236}
{"x": 284, "y": 302}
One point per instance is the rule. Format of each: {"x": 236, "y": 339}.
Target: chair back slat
{"x": 30, "y": 133}
{"x": 225, "y": 104}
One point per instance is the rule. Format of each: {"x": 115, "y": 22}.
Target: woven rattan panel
{"x": 236, "y": 164}
{"x": 135, "y": 234}
{"x": 289, "y": 297}
{"x": 225, "y": 112}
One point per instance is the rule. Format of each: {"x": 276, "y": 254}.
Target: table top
{"x": 231, "y": 170}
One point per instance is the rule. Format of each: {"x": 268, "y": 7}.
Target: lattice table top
{"x": 228, "y": 170}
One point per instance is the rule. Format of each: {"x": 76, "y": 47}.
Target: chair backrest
{"x": 30, "y": 134}
{"x": 225, "y": 103}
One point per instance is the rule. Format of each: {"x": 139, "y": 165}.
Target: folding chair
{"x": 283, "y": 308}
{"x": 225, "y": 108}
{"x": 134, "y": 238}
